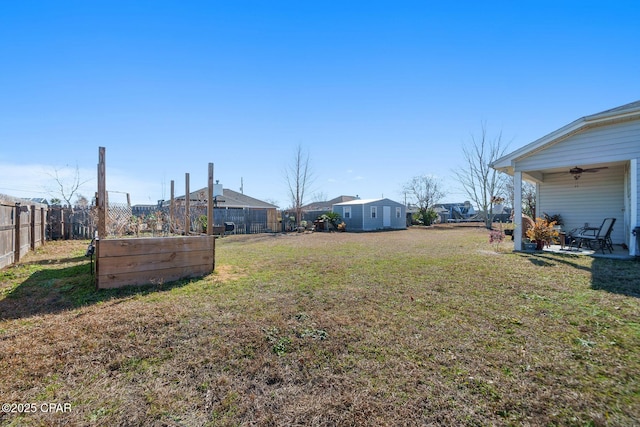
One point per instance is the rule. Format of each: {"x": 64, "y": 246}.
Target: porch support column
{"x": 633, "y": 214}
{"x": 517, "y": 211}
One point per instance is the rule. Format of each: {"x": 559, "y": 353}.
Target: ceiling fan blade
{"x": 594, "y": 169}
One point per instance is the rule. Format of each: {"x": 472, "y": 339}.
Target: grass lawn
{"x": 415, "y": 327}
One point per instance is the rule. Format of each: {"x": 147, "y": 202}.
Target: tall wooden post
{"x": 16, "y": 239}
{"x": 102, "y": 195}
{"x": 210, "y": 202}
{"x": 63, "y": 229}
{"x": 43, "y": 225}
{"x": 187, "y": 199}
{"x": 33, "y": 227}
{"x": 172, "y": 210}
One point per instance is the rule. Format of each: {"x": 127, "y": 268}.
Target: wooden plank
{"x": 108, "y": 281}
{"x": 158, "y": 245}
{"x": 43, "y": 224}
{"x": 25, "y": 231}
{"x": 187, "y": 199}
{"x": 124, "y": 262}
{"x": 16, "y": 239}
{"x": 32, "y": 234}
{"x": 6, "y": 259}
{"x": 210, "y": 201}
{"x": 155, "y": 261}
{"x": 172, "y": 210}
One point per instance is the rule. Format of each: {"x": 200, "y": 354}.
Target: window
{"x": 346, "y": 213}
{"x": 374, "y": 211}
{"x": 398, "y": 212}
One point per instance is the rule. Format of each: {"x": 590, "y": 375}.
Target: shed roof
{"x": 316, "y": 206}
{"x": 622, "y": 113}
{"x": 363, "y": 202}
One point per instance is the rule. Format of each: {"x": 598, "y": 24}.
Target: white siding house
{"x": 607, "y": 146}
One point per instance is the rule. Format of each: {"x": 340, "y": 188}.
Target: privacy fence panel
{"x": 7, "y": 233}
{"x": 22, "y": 228}
{"x": 24, "y": 235}
{"x": 38, "y": 226}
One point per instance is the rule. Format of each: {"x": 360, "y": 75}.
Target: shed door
{"x": 386, "y": 216}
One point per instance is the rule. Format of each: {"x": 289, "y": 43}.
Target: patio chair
{"x": 592, "y": 236}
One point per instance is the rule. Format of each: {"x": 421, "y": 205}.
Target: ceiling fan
{"x": 577, "y": 172}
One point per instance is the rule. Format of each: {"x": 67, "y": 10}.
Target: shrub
{"x": 332, "y": 217}
{"x": 542, "y": 231}
{"x": 425, "y": 216}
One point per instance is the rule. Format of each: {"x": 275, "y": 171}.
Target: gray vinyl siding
{"x": 355, "y": 222}
{"x": 612, "y": 143}
{"x": 637, "y": 224}
{"x": 372, "y": 223}
{"x": 361, "y": 216}
{"x": 597, "y": 196}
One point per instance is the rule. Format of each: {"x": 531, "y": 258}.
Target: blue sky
{"x": 377, "y": 92}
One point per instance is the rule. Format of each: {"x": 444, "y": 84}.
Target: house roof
{"x": 41, "y": 200}
{"x": 10, "y": 199}
{"x": 235, "y": 199}
{"x": 622, "y": 113}
{"x": 362, "y": 202}
{"x": 230, "y": 199}
{"x": 326, "y": 205}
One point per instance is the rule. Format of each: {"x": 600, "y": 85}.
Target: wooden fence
{"x": 65, "y": 223}
{"x": 138, "y": 261}
{"x": 22, "y": 228}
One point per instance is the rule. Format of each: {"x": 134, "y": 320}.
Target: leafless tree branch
{"x": 299, "y": 177}
{"x": 478, "y": 179}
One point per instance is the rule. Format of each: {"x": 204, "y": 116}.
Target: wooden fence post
{"x": 33, "y": 227}
{"x": 63, "y": 229}
{"x": 102, "y": 194}
{"x": 210, "y": 202}
{"x": 16, "y": 239}
{"x": 210, "y": 214}
{"x": 101, "y": 202}
{"x": 96, "y": 255}
{"x": 187, "y": 199}
{"x": 172, "y": 211}
{"x": 43, "y": 226}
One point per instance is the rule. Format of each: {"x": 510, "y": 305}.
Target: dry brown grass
{"x": 424, "y": 326}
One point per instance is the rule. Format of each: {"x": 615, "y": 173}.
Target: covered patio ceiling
{"x": 542, "y": 175}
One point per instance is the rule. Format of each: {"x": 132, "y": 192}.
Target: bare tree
{"x": 480, "y": 181}
{"x": 82, "y": 201}
{"x": 67, "y": 184}
{"x": 528, "y": 197}
{"x": 299, "y": 176}
{"x": 424, "y": 191}
{"x": 320, "y": 196}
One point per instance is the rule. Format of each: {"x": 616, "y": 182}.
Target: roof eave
{"x": 507, "y": 162}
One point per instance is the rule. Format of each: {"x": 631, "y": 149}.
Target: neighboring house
{"x": 585, "y": 171}
{"x": 372, "y": 214}
{"x": 455, "y": 212}
{"x": 312, "y": 211}
{"x": 140, "y": 210}
{"x": 40, "y": 200}
{"x": 249, "y": 215}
